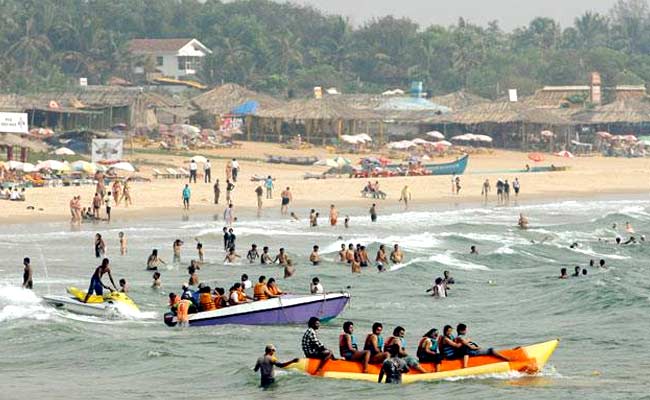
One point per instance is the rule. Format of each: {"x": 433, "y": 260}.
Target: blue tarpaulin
{"x": 248, "y": 108}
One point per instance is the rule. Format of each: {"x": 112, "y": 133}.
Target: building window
{"x": 159, "y": 61}
{"x": 189, "y": 63}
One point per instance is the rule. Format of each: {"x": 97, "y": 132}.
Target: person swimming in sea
{"x": 523, "y": 221}
{"x": 314, "y": 257}
{"x": 473, "y": 250}
{"x": 396, "y": 256}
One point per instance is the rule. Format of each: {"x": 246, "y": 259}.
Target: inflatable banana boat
{"x": 527, "y": 359}
{"x": 109, "y": 305}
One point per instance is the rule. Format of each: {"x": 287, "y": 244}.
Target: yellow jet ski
{"x": 111, "y": 305}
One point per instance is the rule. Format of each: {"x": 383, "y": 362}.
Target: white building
{"x": 174, "y": 58}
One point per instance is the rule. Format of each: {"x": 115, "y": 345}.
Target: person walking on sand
{"x": 187, "y": 193}
{"x": 108, "y": 202}
{"x": 229, "y": 188}
{"x": 235, "y": 169}
{"x": 193, "y": 168}
{"x": 126, "y": 193}
{"x": 516, "y": 186}
{"x": 217, "y": 192}
{"x": 286, "y": 199}
{"x": 334, "y": 215}
{"x": 406, "y": 196}
{"x": 457, "y": 181}
{"x": 228, "y": 171}
{"x": 117, "y": 192}
{"x": 268, "y": 183}
{"x": 486, "y": 189}
{"x": 207, "y": 172}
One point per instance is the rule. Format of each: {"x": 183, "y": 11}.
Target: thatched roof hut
{"x": 504, "y": 112}
{"x": 631, "y": 111}
{"x": 459, "y": 100}
{"x": 223, "y": 99}
{"x": 326, "y": 108}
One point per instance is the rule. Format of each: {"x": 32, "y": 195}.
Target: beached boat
{"x": 454, "y": 167}
{"x": 527, "y": 359}
{"x": 291, "y": 160}
{"x": 286, "y": 309}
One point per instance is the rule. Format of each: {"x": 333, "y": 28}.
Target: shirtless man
{"x": 342, "y": 253}
{"x": 178, "y": 244}
{"x": 281, "y": 258}
{"x": 286, "y": 199}
{"x": 486, "y": 189}
{"x": 334, "y": 215}
{"x": 265, "y": 258}
{"x": 314, "y": 257}
{"x": 27, "y": 274}
{"x": 349, "y": 254}
{"x": 381, "y": 258}
{"x": 523, "y": 221}
{"x": 96, "y": 284}
{"x": 396, "y": 256}
{"x": 252, "y": 255}
{"x": 406, "y": 196}
{"x": 231, "y": 256}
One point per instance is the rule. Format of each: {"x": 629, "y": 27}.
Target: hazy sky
{"x": 510, "y": 13}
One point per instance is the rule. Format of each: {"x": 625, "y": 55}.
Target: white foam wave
{"x": 19, "y": 303}
{"x": 447, "y": 259}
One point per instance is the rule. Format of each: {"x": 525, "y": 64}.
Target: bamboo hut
{"x": 510, "y": 124}
{"x": 459, "y": 100}
{"x": 620, "y": 117}
{"x": 320, "y": 121}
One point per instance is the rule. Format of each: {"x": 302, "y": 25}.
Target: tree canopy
{"x": 285, "y": 48}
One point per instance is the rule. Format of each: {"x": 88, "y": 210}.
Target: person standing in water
{"x": 259, "y": 192}
{"x": 373, "y": 212}
{"x": 123, "y": 241}
{"x": 187, "y": 193}
{"x": 334, "y": 215}
{"x": 396, "y": 256}
{"x": 96, "y": 284}
{"x": 266, "y": 364}
{"x": 100, "y": 246}
{"x": 28, "y": 283}
{"x": 486, "y": 189}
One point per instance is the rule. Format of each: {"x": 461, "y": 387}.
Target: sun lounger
{"x": 172, "y": 172}
{"x": 157, "y": 174}
{"x": 184, "y": 173}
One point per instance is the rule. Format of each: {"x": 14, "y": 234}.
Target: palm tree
{"x": 32, "y": 46}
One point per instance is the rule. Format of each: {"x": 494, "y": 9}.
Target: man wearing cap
{"x": 266, "y": 364}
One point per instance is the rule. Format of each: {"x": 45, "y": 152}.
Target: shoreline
{"x": 215, "y": 212}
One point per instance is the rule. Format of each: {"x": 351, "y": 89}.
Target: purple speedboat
{"x": 286, "y": 309}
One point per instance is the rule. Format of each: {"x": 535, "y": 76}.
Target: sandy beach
{"x": 587, "y": 177}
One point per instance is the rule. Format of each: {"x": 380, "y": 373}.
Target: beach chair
{"x": 157, "y": 174}
{"x": 173, "y": 173}
{"x": 184, "y": 173}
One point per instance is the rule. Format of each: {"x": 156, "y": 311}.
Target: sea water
{"x": 509, "y": 295}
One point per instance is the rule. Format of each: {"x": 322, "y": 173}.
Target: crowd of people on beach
{"x": 102, "y": 202}
{"x": 503, "y": 190}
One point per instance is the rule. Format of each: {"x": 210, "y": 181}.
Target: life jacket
{"x": 275, "y": 290}
{"x": 241, "y": 296}
{"x": 183, "y": 311}
{"x": 343, "y": 346}
{"x": 447, "y": 350}
{"x": 218, "y": 302}
{"x": 258, "y": 292}
{"x": 206, "y": 303}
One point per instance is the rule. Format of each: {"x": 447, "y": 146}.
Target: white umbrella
{"x": 14, "y": 165}
{"x": 420, "y": 141}
{"x": 365, "y": 137}
{"x": 483, "y": 138}
{"x": 401, "y": 145}
{"x": 463, "y": 138}
{"x": 351, "y": 139}
{"x": 435, "y": 135}
{"x": 199, "y": 159}
{"x": 54, "y": 165}
{"x": 443, "y": 143}
{"x": 547, "y": 134}
{"x": 64, "y": 151}
{"x": 28, "y": 167}
{"x": 124, "y": 166}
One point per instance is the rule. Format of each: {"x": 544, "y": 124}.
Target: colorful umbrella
{"x": 537, "y": 157}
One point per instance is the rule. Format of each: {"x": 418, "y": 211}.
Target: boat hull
{"x": 527, "y": 359}
{"x": 71, "y": 304}
{"x": 283, "y": 310}
{"x": 451, "y": 168}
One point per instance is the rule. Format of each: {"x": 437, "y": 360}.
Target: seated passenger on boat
{"x": 261, "y": 291}
{"x": 273, "y": 287}
{"x": 349, "y": 348}
{"x": 206, "y": 303}
{"x": 428, "y": 348}
{"x": 374, "y": 344}
{"x": 237, "y": 295}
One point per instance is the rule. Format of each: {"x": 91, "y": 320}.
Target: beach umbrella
{"x": 604, "y": 135}
{"x": 463, "y": 138}
{"x": 443, "y": 143}
{"x": 365, "y": 137}
{"x": 547, "y": 134}
{"x": 537, "y": 157}
{"x": 64, "y": 151}
{"x": 28, "y": 167}
{"x": 351, "y": 139}
{"x": 328, "y": 162}
{"x": 421, "y": 141}
{"x": 435, "y": 135}
{"x": 84, "y": 166}
{"x": 401, "y": 145}
{"x": 629, "y": 138}
{"x": 124, "y": 166}
{"x": 564, "y": 153}
{"x": 483, "y": 138}
{"x": 54, "y": 165}
{"x": 199, "y": 159}
{"x": 17, "y": 165}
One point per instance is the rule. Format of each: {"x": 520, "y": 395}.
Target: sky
{"x": 509, "y": 13}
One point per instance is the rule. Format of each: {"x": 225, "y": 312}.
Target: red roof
{"x": 157, "y": 45}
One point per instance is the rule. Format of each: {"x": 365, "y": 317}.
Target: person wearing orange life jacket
{"x": 180, "y": 307}
{"x": 273, "y": 287}
{"x": 349, "y": 348}
{"x": 220, "y": 299}
{"x": 205, "y": 299}
{"x": 237, "y": 295}
{"x": 261, "y": 291}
